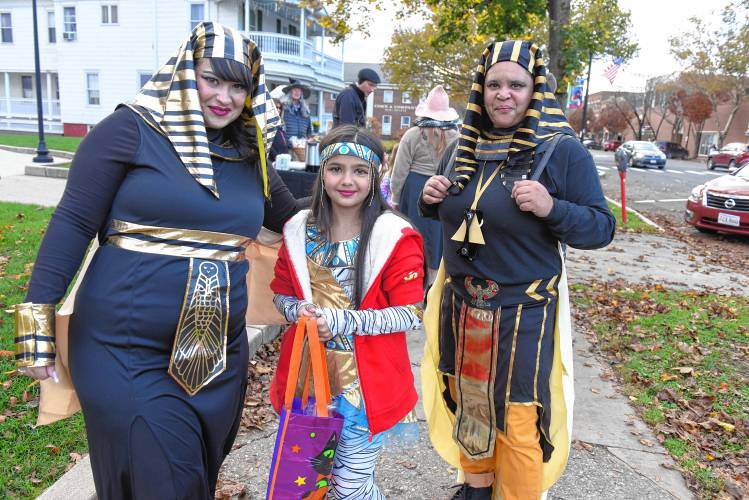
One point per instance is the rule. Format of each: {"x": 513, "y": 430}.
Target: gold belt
{"x": 199, "y": 350}
{"x": 188, "y": 243}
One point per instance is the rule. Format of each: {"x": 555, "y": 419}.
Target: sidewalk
{"x": 607, "y": 459}
{"x": 19, "y": 188}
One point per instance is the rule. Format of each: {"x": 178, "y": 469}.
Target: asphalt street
{"x": 652, "y": 190}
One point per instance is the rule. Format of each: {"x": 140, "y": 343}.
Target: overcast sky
{"x": 654, "y": 21}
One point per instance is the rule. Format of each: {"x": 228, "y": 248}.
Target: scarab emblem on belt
{"x": 480, "y": 290}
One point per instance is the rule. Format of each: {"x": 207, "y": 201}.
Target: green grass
{"x": 56, "y": 142}
{"x": 674, "y": 350}
{"x": 634, "y": 223}
{"x": 31, "y": 459}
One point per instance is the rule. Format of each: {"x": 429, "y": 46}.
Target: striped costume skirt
{"x": 496, "y": 343}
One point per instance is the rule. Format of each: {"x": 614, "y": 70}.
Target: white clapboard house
{"x": 96, "y": 54}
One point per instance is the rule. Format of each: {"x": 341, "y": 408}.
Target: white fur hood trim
{"x": 387, "y": 231}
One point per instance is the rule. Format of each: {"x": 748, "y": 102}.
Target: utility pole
{"x": 584, "y": 126}
{"x": 42, "y": 155}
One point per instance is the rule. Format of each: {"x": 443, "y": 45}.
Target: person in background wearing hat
{"x": 351, "y": 103}
{"x": 419, "y": 153}
{"x": 296, "y": 116}
{"x": 497, "y": 381}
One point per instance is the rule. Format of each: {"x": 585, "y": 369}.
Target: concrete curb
{"x": 54, "y": 152}
{"x": 78, "y": 482}
{"x": 47, "y": 170}
{"x": 638, "y": 214}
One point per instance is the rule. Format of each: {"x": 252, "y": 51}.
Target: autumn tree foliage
{"x": 570, "y": 29}
{"x": 716, "y": 55}
{"x": 611, "y": 119}
{"x": 416, "y": 65}
{"x": 697, "y": 108}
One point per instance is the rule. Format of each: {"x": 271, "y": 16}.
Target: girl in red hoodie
{"x": 358, "y": 268}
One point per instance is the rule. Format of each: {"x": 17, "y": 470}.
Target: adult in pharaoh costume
{"x": 517, "y": 188}
{"x": 172, "y": 187}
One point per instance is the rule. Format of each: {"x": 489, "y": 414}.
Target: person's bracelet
{"x": 35, "y": 334}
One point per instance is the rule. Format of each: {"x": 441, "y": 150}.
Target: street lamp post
{"x": 584, "y": 125}
{"x": 42, "y": 155}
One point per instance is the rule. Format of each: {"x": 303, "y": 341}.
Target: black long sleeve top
{"x": 521, "y": 247}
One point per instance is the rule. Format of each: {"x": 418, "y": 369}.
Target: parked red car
{"x": 611, "y": 145}
{"x": 732, "y": 155}
{"x": 721, "y": 204}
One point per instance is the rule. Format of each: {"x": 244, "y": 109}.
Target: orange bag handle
{"x": 319, "y": 367}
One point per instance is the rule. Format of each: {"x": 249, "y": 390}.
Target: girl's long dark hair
{"x": 321, "y": 205}
{"x": 236, "y": 132}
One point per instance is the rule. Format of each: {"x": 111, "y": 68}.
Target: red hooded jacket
{"x": 394, "y": 276}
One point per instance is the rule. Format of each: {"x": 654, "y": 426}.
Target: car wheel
{"x": 710, "y": 164}
{"x": 661, "y": 167}
{"x": 731, "y": 164}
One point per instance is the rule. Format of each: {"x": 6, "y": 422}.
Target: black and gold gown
{"x": 151, "y": 434}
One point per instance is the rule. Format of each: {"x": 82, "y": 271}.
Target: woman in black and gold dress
{"x": 173, "y": 185}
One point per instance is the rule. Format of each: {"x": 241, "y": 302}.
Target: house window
{"x": 406, "y": 98}
{"x": 51, "y": 29}
{"x": 259, "y": 20}
{"x": 387, "y": 96}
{"x": 387, "y": 121}
{"x": 278, "y": 26}
{"x": 197, "y": 14}
{"x": 70, "y": 28}
{"x": 333, "y": 96}
{"x": 6, "y": 28}
{"x": 293, "y": 31}
{"x": 109, "y": 14}
{"x": 405, "y": 121}
{"x": 143, "y": 78}
{"x": 27, "y": 86}
{"x": 92, "y": 88}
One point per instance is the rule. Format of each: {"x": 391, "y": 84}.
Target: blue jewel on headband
{"x": 350, "y": 149}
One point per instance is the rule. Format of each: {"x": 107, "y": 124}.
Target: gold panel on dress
{"x": 477, "y": 336}
{"x": 199, "y": 351}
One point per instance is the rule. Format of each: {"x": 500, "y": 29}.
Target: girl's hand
{"x": 307, "y": 310}
{"x": 532, "y": 196}
{"x": 323, "y": 330}
{"x": 39, "y": 372}
{"x": 435, "y": 189}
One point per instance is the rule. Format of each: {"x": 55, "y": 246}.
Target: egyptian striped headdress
{"x": 543, "y": 119}
{"x": 169, "y": 101}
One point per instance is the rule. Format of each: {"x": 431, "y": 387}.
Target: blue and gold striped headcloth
{"x": 543, "y": 119}
{"x": 169, "y": 102}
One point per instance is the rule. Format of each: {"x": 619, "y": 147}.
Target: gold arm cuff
{"x": 35, "y": 334}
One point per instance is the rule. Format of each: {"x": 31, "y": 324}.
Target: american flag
{"x": 611, "y": 69}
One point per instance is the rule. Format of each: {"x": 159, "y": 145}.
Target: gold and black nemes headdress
{"x": 543, "y": 119}
{"x": 169, "y": 102}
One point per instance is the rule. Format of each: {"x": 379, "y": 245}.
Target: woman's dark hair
{"x": 236, "y": 132}
{"x": 321, "y": 205}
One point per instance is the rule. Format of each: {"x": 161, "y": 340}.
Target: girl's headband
{"x": 350, "y": 149}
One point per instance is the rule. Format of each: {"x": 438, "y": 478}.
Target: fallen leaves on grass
{"x": 687, "y": 374}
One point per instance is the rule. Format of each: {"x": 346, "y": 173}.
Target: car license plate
{"x": 652, "y": 162}
{"x": 728, "y": 219}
